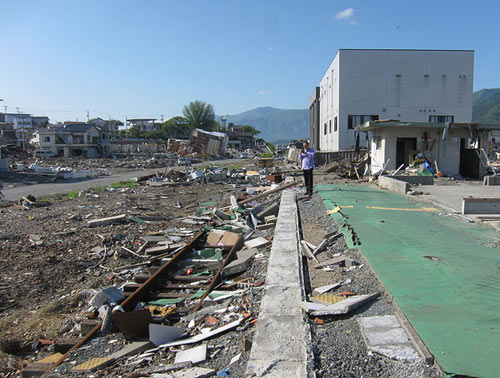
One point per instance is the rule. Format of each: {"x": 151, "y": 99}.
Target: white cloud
{"x": 270, "y": 48}
{"x": 346, "y": 13}
{"x": 261, "y": 93}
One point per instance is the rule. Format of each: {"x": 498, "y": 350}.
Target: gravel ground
{"x": 47, "y": 259}
{"x": 339, "y": 348}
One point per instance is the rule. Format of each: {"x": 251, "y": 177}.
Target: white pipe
{"x": 397, "y": 170}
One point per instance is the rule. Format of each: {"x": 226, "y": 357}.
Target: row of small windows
{"x": 330, "y": 126}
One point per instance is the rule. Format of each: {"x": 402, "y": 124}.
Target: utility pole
{"x": 88, "y": 116}
{"x": 126, "y": 128}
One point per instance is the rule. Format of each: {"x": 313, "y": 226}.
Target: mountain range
{"x": 486, "y": 106}
{"x": 275, "y": 124}
{"x": 282, "y": 125}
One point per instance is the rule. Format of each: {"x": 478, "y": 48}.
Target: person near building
{"x": 307, "y": 159}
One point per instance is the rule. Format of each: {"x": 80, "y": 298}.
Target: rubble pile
{"x": 349, "y": 169}
{"x": 75, "y": 265}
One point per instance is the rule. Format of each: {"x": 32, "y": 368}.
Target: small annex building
{"x": 456, "y": 148}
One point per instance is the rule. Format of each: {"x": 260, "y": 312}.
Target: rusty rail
{"x": 218, "y": 273}
{"x": 131, "y": 301}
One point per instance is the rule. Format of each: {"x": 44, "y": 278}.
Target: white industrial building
{"x": 408, "y": 85}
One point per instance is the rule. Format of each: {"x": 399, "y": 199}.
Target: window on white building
{"x": 356, "y": 120}
{"x": 441, "y": 118}
{"x": 324, "y": 131}
{"x": 335, "y": 124}
{"x": 330, "y": 126}
{"x": 46, "y": 139}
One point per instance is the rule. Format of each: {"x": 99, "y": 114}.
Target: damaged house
{"x": 240, "y": 138}
{"x": 74, "y": 139}
{"x": 208, "y": 143}
{"x": 451, "y": 148}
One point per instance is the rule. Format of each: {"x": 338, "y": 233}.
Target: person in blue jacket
{"x": 307, "y": 159}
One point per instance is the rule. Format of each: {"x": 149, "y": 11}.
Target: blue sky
{"x": 147, "y": 58}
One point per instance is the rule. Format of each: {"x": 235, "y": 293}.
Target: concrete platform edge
{"x": 273, "y": 342}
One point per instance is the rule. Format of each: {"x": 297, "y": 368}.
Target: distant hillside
{"x": 486, "y": 106}
{"x": 275, "y": 124}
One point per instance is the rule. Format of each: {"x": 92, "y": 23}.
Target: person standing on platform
{"x": 307, "y": 159}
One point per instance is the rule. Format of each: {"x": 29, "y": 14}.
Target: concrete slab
{"x": 195, "y": 372}
{"x": 160, "y": 334}
{"x": 345, "y": 306}
{"x": 276, "y": 369}
{"x": 280, "y": 274}
{"x": 257, "y": 242}
{"x": 286, "y": 246}
{"x": 326, "y": 288}
{"x": 481, "y": 206}
{"x": 132, "y": 348}
{"x": 279, "y": 300}
{"x": 450, "y": 196}
{"x": 194, "y": 355}
{"x": 393, "y": 184}
{"x": 279, "y": 347}
{"x": 241, "y": 264}
{"x": 415, "y": 180}
{"x": 281, "y": 336}
{"x": 385, "y": 335}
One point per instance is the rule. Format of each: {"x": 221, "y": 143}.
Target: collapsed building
{"x": 208, "y": 143}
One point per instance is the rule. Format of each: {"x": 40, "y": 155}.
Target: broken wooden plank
{"x": 325, "y": 243}
{"x": 341, "y": 261}
{"x": 107, "y": 221}
{"x": 308, "y": 251}
{"x": 269, "y": 192}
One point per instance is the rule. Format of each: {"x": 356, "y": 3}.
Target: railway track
{"x": 169, "y": 276}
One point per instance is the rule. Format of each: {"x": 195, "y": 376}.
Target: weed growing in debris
{"x": 234, "y": 167}
{"x": 73, "y": 195}
{"x": 266, "y": 155}
{"x": 123, "y": 184}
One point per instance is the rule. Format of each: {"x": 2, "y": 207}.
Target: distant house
{"x": 7, "y": 135}
{"x": 144, "y": 124}
{"x": 74, "y": 139}
{"x": 239, "y": 138}
{"x": 39, "y": 121}
{"x": 17, "y": 120}
{"x": 111, "y": 126}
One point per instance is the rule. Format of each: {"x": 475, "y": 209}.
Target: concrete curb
{"x": 281, "y": 346}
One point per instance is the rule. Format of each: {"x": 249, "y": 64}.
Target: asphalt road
{"x": 61, "y": 187}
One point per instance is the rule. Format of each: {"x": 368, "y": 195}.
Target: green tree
{"x": 250, "y": 129}
{"x": 156, "y": 134}
{"x": 134, "y": 133}
{"x": 200, "y": 115}
{"x": 176, "y": 127}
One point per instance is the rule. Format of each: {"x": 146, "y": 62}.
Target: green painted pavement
{"x": 453, "y": 302}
